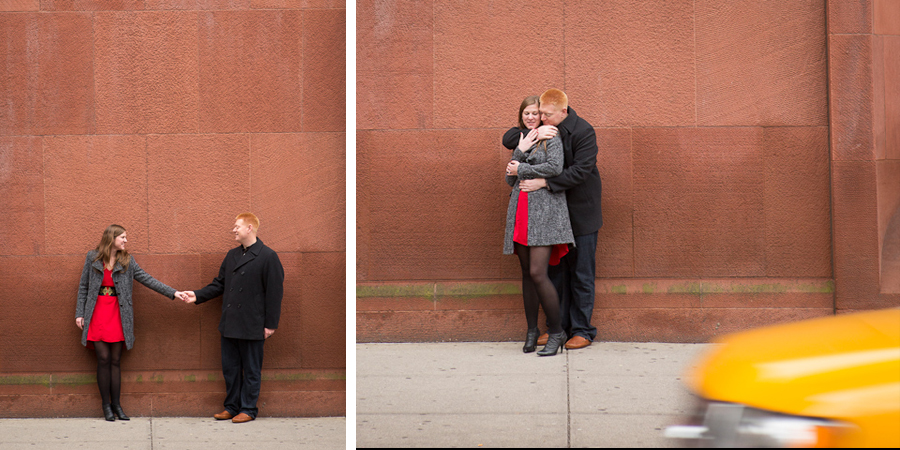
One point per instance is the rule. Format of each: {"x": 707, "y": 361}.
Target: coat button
{"x": 229, "y": 305}
{"x": 243, "y": 273}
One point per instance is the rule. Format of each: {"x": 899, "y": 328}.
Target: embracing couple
{"x": 105, "y": 314}
{"x": 553, "y": 218}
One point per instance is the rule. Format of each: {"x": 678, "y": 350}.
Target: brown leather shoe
{"x": 577, "y": 342}
{"x": 241, "y": 418}
{"x": 224, "y": 415}
{"x": 543, "y": 339}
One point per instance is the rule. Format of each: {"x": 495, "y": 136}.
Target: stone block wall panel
{"x": 321, "y": 85}
{"x": 303, "y": 204}
{"x": 850, "y": 17}
{"x": 320, "y": 315}
{"x": 615, "y": 241}
{"x": 480, "y": 57}
{"x": 79, "y": 202}
{"x": 851, "y": 93}
{"x": 856, "y": 233}
{"x": 698, "y": 207}
{"x": 761, "y": 63}
{"x": 250, "y": 65}
{"x": 147, "y": 72}
{"x": 797, "y": 203}
{"x": 887, "y": 17}
{"x": 22, "y": 176}
{"x": 891, "y": 82}
{"x": 21, "y": 5}
{"x": 394, "y": 48}
{"x": 190, "y": 209}
{"x": 408, "y": 237}
{"x": 630, "y": 63}
{"x": 47, "y": 87}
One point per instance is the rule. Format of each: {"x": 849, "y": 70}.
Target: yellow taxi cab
{"x": 826, "y": 382}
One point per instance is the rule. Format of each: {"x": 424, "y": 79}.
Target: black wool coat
{"x": 580, "y": 178}
{"x": 251, "y": 287}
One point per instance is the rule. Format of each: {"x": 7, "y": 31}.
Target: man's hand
{"x": 79, "y": 321}
{"x": 269, "y": 332}
{"x": 532, "y": 185}
{"x": 512, "y": 169}
{"x": 180, "y": 295}
{"x": 190, "y": 297}
{"x": 546, "y": 132}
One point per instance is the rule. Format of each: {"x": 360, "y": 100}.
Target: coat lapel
{"x": 252, "y": 253}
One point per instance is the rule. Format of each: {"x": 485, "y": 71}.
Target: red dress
{"x": 520, "y": 230}
{"x": 106, "y": 321}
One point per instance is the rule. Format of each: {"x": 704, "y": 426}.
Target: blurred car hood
{"x": 820, "y": 367}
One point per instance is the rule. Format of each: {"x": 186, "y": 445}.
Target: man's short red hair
{"x": 556, "y": 98}
{"x": 249, "y": 219}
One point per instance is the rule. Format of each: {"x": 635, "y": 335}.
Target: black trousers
{"x": 242, "y": 367}
{"x": 574, "y": 282}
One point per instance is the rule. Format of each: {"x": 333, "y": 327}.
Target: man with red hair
{"x": 580, "y": 180}
{"x": 250, "y": 282}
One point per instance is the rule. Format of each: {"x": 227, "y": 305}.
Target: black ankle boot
{"x": 108, "y": 412}
{"x": 554, "y": 343}
{"x": 531, "y": 339}
{"x": 120, "y": 414}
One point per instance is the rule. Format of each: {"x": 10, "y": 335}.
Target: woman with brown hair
{"x": 105, "y": 314}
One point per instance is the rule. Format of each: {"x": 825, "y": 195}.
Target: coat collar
{"x": 568, "y": 124}
{"x": 97, "y": 264}
{"x": 252, "y": 253}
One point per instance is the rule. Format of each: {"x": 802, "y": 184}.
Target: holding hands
{"x": 187, "y": 296}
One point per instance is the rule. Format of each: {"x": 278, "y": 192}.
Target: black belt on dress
{"x": 109, "y": 291}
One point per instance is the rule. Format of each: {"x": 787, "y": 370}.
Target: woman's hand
{"x": 512, "y": 169}
{"x": 80, "y": 322}
{"x": 526, "y": 141}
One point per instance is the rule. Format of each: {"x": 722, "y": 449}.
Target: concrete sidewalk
{"x": 173, "y": 433}
{"x": 610, "y": 394}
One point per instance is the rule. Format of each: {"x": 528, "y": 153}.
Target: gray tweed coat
{"x": 548, "y": 215}
{"x": 89, "y": 288}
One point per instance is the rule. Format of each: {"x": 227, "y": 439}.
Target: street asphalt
{"x": 610, "y": 394}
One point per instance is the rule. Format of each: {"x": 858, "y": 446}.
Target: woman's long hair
{"x": 104, "y": 248}
{"x": 531, "y": 100}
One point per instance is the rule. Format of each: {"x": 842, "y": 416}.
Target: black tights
{"x": 109, "y": 377}
{"x": 537, "y": 289}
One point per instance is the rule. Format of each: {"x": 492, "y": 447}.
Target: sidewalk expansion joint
{"x": 568, "y": 402}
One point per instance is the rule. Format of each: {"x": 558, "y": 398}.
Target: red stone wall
{"x": 864, "y": 61}
{"x": 170, "y": 117}
{"x": 735, "y": 194}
